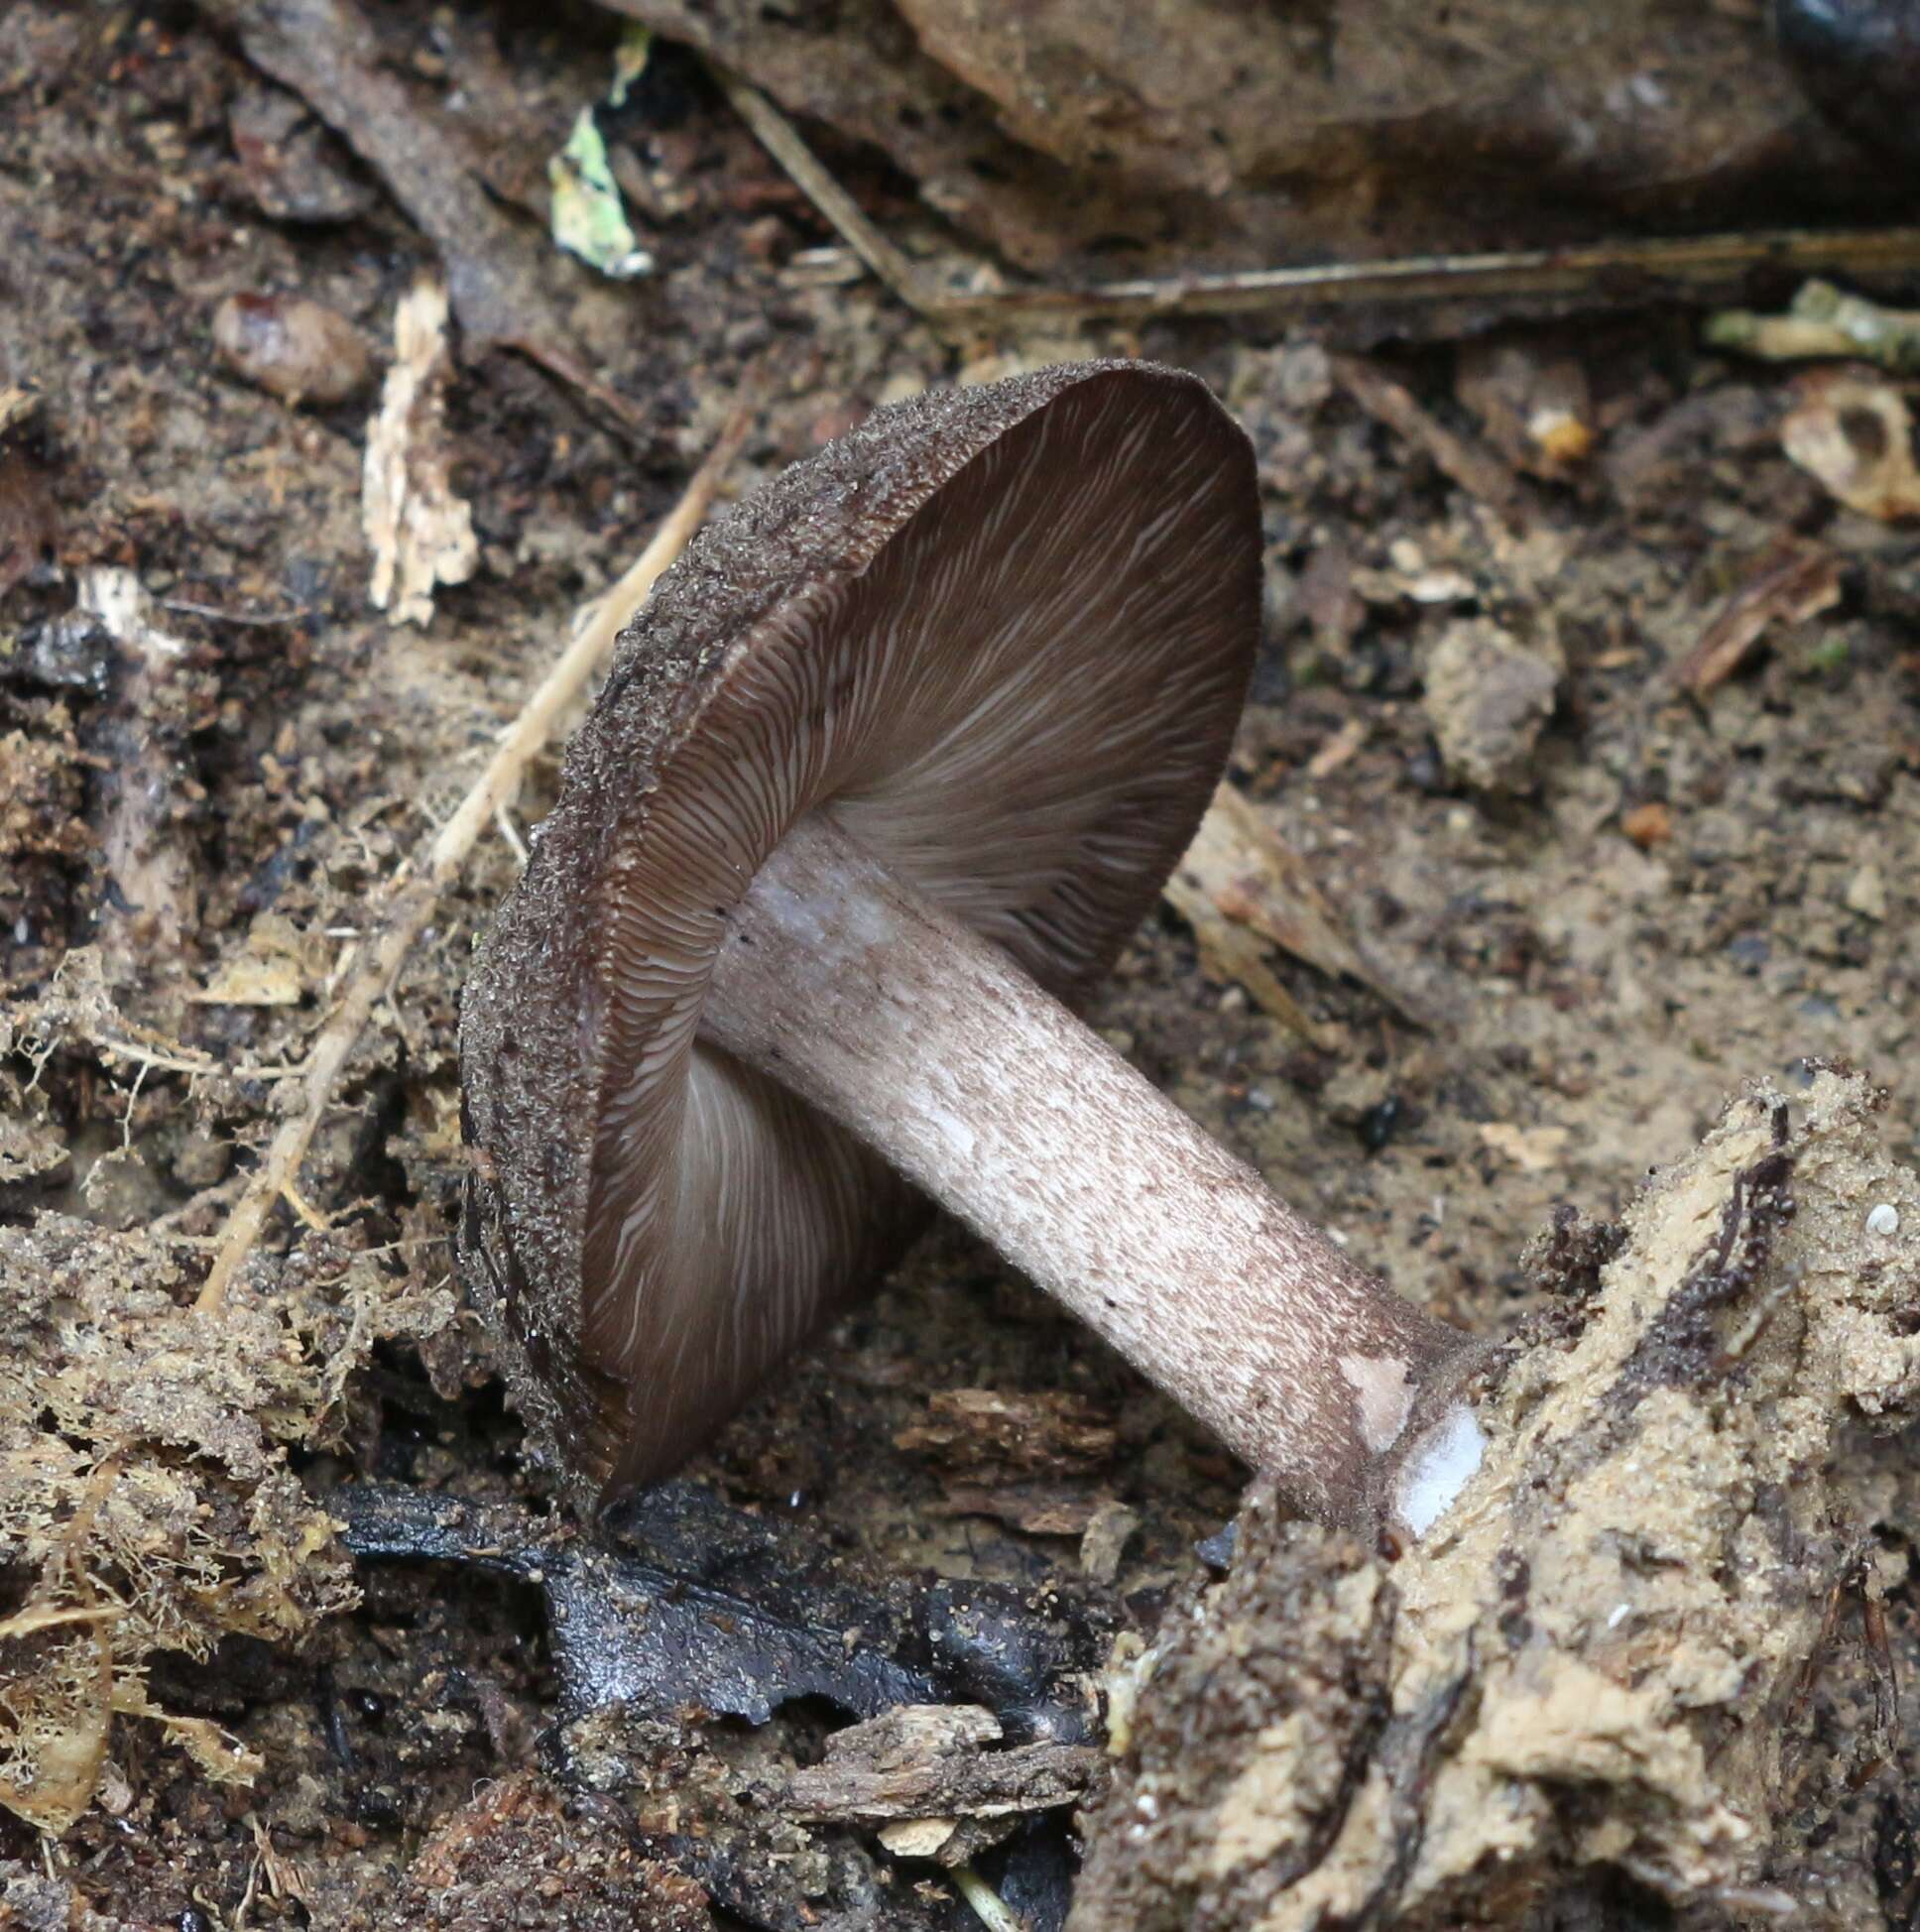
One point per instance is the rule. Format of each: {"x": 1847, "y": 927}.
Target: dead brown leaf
{"x": 1788, "y": 585}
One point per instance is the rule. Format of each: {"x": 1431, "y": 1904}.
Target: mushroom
{"x": 883, "y": 777}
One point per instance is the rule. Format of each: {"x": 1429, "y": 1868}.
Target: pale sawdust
{"x": 146, "y": 1502}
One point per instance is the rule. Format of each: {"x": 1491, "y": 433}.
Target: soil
{"x": 1621, "y": 900}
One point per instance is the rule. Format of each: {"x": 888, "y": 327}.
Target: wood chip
{"x": 934, "y": 1766}
{"x": 1867, "y": 892}
{"x": 1854, "y": 434}
{"x": 919, "y": 1838}
{"x": 276, "y": 967}
{"x": 1106, "y": 1540}
{"x": 987, "y": 1430}
{"x": 1032, "y": 1508}
{"x": 1340, "y": 748}
{"x": 1533, "y": 1149}
{"x": 1241, "y": 890}
{"x": 421, "y": 533}
{"x": 18, "y": 402}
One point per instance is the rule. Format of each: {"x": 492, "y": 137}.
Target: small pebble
{"x": 1377, "y": 1125}
{"x": 292, "y": 347}
{"x": 1867, "y": 893}
{"x": 1649, "y": 824}
{"x": 1217, "y": 1551}
{"x": 1884, "y": 1219}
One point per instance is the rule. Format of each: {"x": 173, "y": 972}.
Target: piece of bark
{"x": 1033, "y": 1508}
{"x": 420, "y": 530}
{"x": 724, "y": 1612}
{"x": 152, "y": 910}
{"x": 1107, "y": 1533}
{"x": 935, "y": 1766}
{"x": 1009, "y": 1433}
{"x": 644, "y": 1633}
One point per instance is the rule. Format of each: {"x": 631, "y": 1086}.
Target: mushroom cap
{"x": 1005, "y": 633}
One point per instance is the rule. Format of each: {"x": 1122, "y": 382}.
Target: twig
{"x": 273, "y": 619}
{"x": 1609, "y": 271}
{"x": 201, "y": 1065}
{"x": 1637, "y": 268}
{"x": 503, "y": 821}
{"x": 498, "y": 277}
{"x": 415, "y": 891}
{"x": 1823, "y": 321}
{"x": 783, "y": 140}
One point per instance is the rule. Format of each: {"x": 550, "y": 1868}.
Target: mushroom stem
{"x": 853, "y": 989}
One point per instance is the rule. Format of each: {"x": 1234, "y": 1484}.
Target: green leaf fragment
{"x": 589, "y": 219}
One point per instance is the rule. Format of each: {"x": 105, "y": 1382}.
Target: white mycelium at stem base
{"x": 855, "y": 991}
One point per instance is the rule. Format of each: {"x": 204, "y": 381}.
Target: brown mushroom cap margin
{"x": 1005, "y": 632}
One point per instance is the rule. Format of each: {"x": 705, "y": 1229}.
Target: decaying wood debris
{"x": 1242, "y": 890}
{"x": 1797, "y": 582}
{"x": 1605, "y": 1656}
{"x": 931, "y": 1781}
